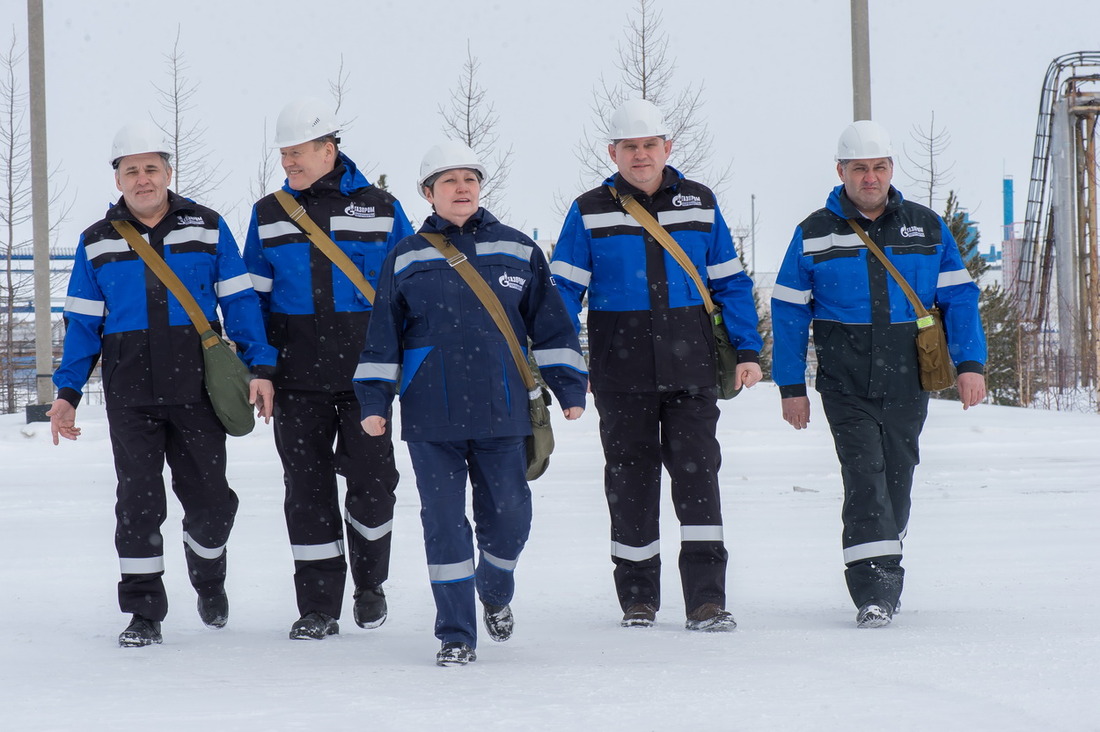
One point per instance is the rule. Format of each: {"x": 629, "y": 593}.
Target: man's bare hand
{"x": 63, "y": 421}
{"x": 796, "y": 410}
{"x": 971, "y": 389}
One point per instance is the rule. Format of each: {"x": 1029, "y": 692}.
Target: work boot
{"x": 874, "y": 614}
{"x": 369, "y": 609}
{"x": 314, "y": 626}
{"x": 214, "y": 610}
{"x": 499, "y": 622}
{"x": 640, "y": 615}
{"x": 140, "y": 632}
{"x": 455, "y": 653}
{"x": 710, "y": 617}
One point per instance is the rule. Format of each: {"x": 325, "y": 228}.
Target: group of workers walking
{"x": 330, "y": 346}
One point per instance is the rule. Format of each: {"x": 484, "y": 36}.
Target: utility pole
{"x": 40, "y": 211}
{"x": 752, "y": 231}
{"x": 861, "y": 61}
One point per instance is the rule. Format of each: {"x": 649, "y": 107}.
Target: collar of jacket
{"x": 345, "y": 178}
{"x": 436, "y": 224}
{"x": 669, "y": 182}
{"x": 118, "y": 211}
{"x": 842, "y": 206}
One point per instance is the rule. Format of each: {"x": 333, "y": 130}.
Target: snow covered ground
{"x": 998, "y": 629}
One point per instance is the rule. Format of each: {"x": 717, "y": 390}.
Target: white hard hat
{"x": 137, "y": 138}
{"x": 448, "y": 155}
{"x": 637, "y": 118}
{"x": 303, "y": 120}
{"x": 863, "y": 140}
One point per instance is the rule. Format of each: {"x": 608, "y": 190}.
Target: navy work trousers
{"x": 497, "y": 470}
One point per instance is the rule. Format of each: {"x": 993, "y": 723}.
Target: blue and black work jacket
{"x": 117, "y": 307}
{"x": 864, "y": 327}
{"x": 315, "y": 315}
{"x": 648, "y": 330}
{"x": 433, "y": 342}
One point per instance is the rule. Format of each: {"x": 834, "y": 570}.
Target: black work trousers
{"x": 877, "y": 443}
{"x": 640, "y": 432}
{"x": 192, "y": 440}
{"x": 307, "y": 424}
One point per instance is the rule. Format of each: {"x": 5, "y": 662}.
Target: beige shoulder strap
{"x": 488, "y": 298}
{"x": 165, "y": 274}
{"x": 327, "y": 246}
{"x": 650, "y": 224}
{"x": 923, "y": 318}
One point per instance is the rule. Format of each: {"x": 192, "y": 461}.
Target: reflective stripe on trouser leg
{"x": 440, "y": 469}
{"x": 692, "y": 456}
{"x": 306, "y": 425}
{"x": 206, "y": 567}
{"x": 367, "y": 464}
{"x": 192, "y": 441}
{"x": 502, "y": 513}
{"x": 629, "y": 433}
{"x": 877, "y": 445}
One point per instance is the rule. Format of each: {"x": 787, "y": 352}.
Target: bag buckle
{"x": 456, "y": 259}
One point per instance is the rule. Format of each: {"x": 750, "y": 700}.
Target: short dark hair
{"x": 329, "y": 138}
{"x": 429, "y": 182}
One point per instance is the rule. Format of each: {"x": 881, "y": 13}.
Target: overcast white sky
{"x": 777, "y": 78}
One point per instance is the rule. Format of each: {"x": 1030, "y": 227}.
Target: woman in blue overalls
{"x": 464, "y": 407}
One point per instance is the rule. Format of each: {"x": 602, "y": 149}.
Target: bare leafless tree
{"x": 646, "y": 70}
{"x": 930, "y": 174}
{"x": 194, "y": 175}
{"x": 259, "y": 186}
{"x": 339, "y": 89}
{"x": 472, "y": 119}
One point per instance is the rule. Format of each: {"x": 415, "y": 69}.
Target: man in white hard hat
{"x": 652, "y": 359}
{"x": 157, "y": 406}
{"x": 317, "y": 317}
{"x": 864, "y": 329}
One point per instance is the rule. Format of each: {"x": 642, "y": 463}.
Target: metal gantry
{"x": 1053, "y": 274}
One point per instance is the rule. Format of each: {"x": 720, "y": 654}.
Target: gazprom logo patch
{"x": 909, "y": 231}
{"x": 360, "y": 212}
{"x": 512, "y": 283}
{"x": 682, "y": 201}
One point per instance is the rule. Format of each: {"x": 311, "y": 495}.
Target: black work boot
{"x": 499, "y": 622}
{"x": 314, "y": 626}
{"x": 369, "y": 609}
{"x": 214, "y": 610}
{"x": 140, "y": 632}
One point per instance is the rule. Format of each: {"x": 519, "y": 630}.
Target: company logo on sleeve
{"x": 360, "y": 212}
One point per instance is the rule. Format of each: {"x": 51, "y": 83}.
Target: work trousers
{"x": 307, "y": 425}
{"x": 502, "y": 522}
{"x": 877, "y": 443}
{"x": 192, "y": 440}
{"x": 640, "y": 432}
